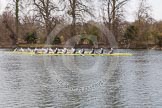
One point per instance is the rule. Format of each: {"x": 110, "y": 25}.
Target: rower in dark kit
{"x": 56, "y": 51}
{"x": 111, "y": 51}
{"x": 92, "y": 51}
{"x": 101, "y": 51}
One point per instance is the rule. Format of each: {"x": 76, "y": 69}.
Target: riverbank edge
{"x": 76, "y": 46}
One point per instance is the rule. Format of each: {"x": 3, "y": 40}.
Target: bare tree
{"x": 46, "y": 14}
{"x": 17, "y": 16}
{"x": 113, "y": 13}
{"x": 144, "y": 20}
{"x": 77, "y": 9}
{"x": 14, "y": 35}
{"x": 14, "y": 7}
{"x": 143, "y": 12}
{"x": 8, "y": 22}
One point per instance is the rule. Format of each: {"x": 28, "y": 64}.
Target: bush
{"x": 57, "y": 40}
{"x": 31, "y": 37}
{"x": 86, "y": 41}
{"x": 130, "y": 33}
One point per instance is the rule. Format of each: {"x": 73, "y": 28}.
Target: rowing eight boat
{"x": 70, "y": 54}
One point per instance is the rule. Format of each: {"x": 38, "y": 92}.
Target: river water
{"x": 81, "y": 81}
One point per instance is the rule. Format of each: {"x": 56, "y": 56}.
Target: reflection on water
{"x": 80, "y": 81}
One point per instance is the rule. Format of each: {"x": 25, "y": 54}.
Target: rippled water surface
{"x": 81, "y": 81}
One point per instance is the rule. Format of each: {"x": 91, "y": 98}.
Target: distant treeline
{"x": 76, "y": 22}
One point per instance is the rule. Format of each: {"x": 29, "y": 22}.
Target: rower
{"x": 64, "y": 50}
{"x": 73, "y": 50}
{"x": 56, "y": 51}
{"x": 36, "y": 51}
{"x": 15, "y": 49}
{"x": 21, "y": 50}
{"x": 50, "y": 49}
{"x": 43, "y": 50}
{"x": 111, "y": 51}
{"x": 101, "y": 51}
{"x": 92, "y": 51}
{"x": 82, "y": 51}
{"x": 29, "y": 50}
{"x": 47, "y": 51}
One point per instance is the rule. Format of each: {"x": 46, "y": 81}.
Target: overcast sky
{"x": 131, "y": 7}
{"x": 156, "y": 6}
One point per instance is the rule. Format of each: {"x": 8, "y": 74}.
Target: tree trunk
{"x": 73, "y": 26}
{"x": 17, "y": 17}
